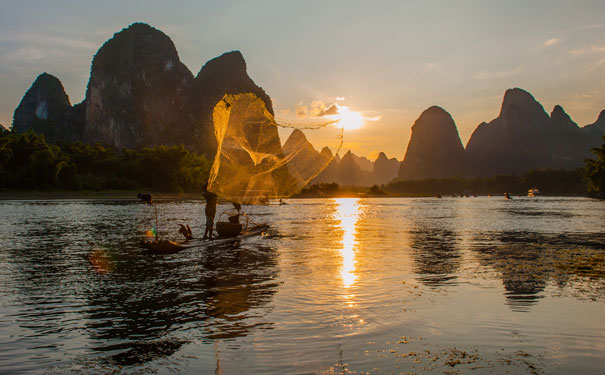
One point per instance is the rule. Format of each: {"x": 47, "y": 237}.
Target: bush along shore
{"x": 29, "y": 167}
{"x": 28, "y": 162}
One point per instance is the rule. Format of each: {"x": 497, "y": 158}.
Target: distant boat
{"x": 533, "y": 192}
{"x": 507, "y": 196}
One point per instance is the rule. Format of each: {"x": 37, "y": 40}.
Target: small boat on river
{"x": 172, "y": 247}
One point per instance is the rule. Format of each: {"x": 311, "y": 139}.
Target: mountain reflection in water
{"x": 149, "y": 298}
{"x": 341, "y": 286}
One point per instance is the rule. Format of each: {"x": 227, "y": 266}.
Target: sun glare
{"x": 348, "y": 119}
{"x": 348, "y": 214}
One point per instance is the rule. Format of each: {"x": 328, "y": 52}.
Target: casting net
{"x": 251, "y": 166}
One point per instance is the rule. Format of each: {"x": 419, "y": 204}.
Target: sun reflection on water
{"x": 347, "y": 211}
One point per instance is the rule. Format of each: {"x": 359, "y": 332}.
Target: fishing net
{"x": 251, "y": 166}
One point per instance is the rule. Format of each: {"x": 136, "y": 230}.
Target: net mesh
{"x": 251, "y": 166}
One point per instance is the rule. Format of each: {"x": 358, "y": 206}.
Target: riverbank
{"x": 92, "y": 194}
{"x": 132, "y": 195}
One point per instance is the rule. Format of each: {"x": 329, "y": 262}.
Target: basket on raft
{"x": 227, "y": 229}
{"x": 231, "y": 223}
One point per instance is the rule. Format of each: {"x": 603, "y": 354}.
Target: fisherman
{"x": 211, "y": 201}
{"x": 235, "y": 218}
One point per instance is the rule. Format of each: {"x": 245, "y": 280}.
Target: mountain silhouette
{"x": 525, "y": 137}
{"x": 384, "y": 169}
{"x": 435, "y": 149}
{"x": 304, "y": 162}
{"x": 139, "y": 94}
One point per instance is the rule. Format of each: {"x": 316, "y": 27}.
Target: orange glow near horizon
{"x": 348, "y": 119}
{"x": 347, "y": 211}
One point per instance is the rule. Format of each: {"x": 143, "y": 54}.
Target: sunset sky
{"x": 386, "y": 60}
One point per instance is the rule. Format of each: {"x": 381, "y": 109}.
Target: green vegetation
{"x": 27, "y": 161}
{"x": 594, "y": 171}
{"x": 320, "y": 190}
{"x": 549, "y": 181}
{"x": 553, "y": 182}
{"x": 375, "y": 191}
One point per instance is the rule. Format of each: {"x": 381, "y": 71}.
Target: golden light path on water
{"x": 348, "y": 212}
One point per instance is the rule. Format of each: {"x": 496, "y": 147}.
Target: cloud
{"x": 320, "y": 109}
{"x": 29, "y": 54}
{"x": 302, "y": 111}
{"x": 331, "y": 110}
{"x": 590, "y": 49}
{"x": 589, "y": 27}
{"x": 340, "y": 98}
{"x": 487, "y": 75}
{"x": 51, "y": 41}
{"x": 598, "y": 64}
{"x": 551, "y": 42}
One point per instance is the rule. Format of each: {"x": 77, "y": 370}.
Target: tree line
{"x": 27, "y": 161}
{"x": 588, "y": 180}
{"x": 548, "y": 181}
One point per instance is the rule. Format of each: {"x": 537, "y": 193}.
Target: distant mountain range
{"x": 521, "y": 138}
{"x": 140, "y": 94}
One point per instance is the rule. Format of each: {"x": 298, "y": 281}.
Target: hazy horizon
{"x": 388, "y": 61}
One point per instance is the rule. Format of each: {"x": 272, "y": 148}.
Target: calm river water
{"x": 337, "y": 286}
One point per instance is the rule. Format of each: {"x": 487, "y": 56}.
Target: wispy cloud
{"x": 590, "y": 49}
{"x": 302, "y": 111}
{"x": 589, "y": 27}
{"x": 487, "y": 75}
{"x": 29, "y": 55}
{"x": 50, "y": 41}
{"x": 550, "y": 42}
{"x": 375, "y": 118}
{"x": 598, "y": 64}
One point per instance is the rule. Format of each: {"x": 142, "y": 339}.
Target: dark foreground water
{"x": 338, "y": 286}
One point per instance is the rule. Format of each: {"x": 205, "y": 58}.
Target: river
{"x": 336, "y": 286}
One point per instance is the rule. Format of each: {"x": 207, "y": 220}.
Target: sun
{"x": 348, "y": 119}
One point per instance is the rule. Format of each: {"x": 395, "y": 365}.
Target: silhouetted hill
{"x": 435, "y": 149}
{"x": 567, "y": 144}
{"x": 45, "y": 108}
{"x": 595, "y": 131}
{"x": 225, "y": 74}
{"x": 384, "y": 170}
{"x": 326, "y": 152}
{"x": 328, "y": 175}
{"x": 525, "y": 137}
{"x": 364, "y": 163}
{"x": 136, "y": 90}
{"x": 304, "y": 160}
{"x": 348, "y": 171}
{"x": 139, "y": 94}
